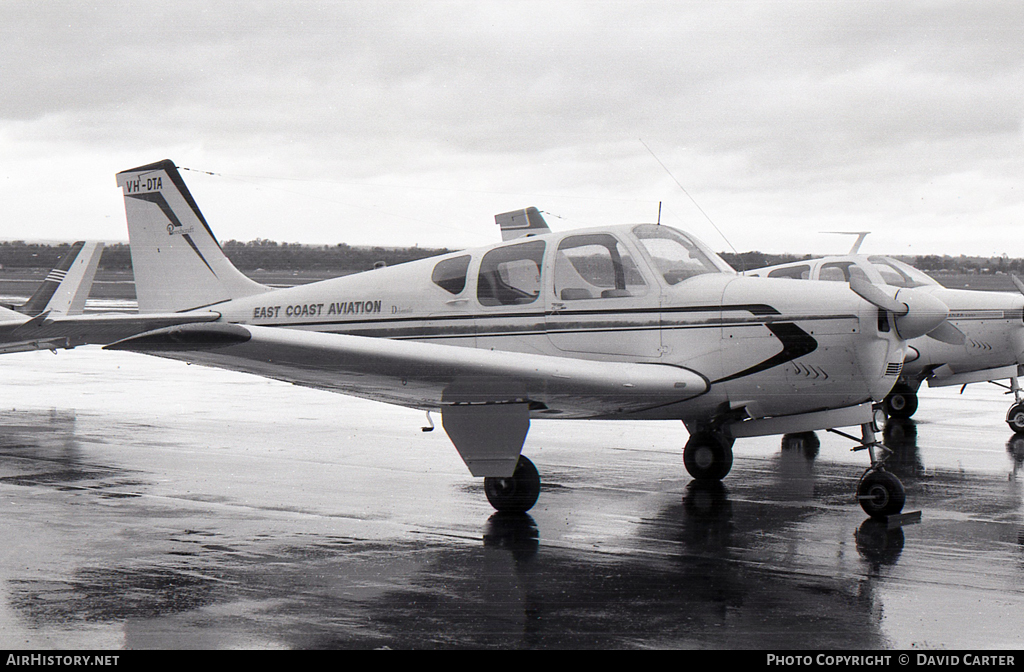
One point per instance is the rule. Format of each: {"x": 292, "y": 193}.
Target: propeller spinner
{"x": 916, "y": 312}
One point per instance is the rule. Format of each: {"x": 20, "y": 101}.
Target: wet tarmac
{"x": 149, "y": 504}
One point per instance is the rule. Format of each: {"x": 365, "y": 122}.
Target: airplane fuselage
{"x": 765, "y": 347}
{"x": 993, "y": 323}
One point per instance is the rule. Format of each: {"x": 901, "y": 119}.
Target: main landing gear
{"x": 879, "y": 492}
{"x": 901, "y": 402}
{"x": 516, "y": 493}
{"x": 708, "y": 456}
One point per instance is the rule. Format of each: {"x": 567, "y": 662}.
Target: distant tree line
{"x": 256, "y": 254}
{"x": 273, "y": 256}
{"x": 930, "y": 263}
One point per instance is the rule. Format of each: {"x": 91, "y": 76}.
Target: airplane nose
{"x": 924, "y": 313}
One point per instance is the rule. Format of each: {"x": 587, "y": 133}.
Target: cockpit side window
{"x": 674, "y": 255}
{"x": 898, "y": 274}
{"x": 511, "y": 275}
{"x": 595, "y": 266}
{"x": 450, "y": 274}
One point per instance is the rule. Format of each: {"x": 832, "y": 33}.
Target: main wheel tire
{"x": 901, "y": 402}
{"x": 881, "y": 494}
{"x": 517, "y": 493}
{"x": 1015, "y": 418}
{"x": 707, "y": 457}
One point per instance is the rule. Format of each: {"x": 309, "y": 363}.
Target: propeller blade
{"x": 877, "y": 297}
{"x": 948, "y": 333}
{"x": 925, "y": 313}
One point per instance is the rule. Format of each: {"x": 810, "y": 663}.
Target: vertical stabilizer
{"x": 520, "y": 223}
{"x": 177, "y": 261}
{"x": 70, "y": 295}
{"x": 68, "y": 283}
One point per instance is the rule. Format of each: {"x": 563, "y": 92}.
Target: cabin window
{"x": 674, "y": 255}
{"x": 801, "y": 272}
{"x": 510, "y": 275}
{"x": 842, "y": 271}
{"x": 450, "y": 274}
{"x": 595, "y": 266}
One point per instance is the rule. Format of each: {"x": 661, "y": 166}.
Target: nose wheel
{"x": 516, "y": 493}
{"x": 1015, "y": 418}
{"x": 881, "y": 494}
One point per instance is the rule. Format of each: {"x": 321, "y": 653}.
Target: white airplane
{"x": 983, "y": 339}
{"x": 625, "y": 322}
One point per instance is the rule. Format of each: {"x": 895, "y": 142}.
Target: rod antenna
{"x": 683, "y": 189}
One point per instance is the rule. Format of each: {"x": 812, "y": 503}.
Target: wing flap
{"x": 424, "y": 375}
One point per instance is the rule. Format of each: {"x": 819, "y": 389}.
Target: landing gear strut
{"x": 708, "y": 456}
{"x": 517, "y": 493}
{"x": 879, "y": 492}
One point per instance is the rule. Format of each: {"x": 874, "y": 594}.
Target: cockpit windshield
{"x": 676, "y": 255}
{"x": 899, "y": 274}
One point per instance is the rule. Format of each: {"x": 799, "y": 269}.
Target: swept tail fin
{"x": 177, "y": 261}
{"x": 67, "y": 286}
{"x": 70, "y": 295}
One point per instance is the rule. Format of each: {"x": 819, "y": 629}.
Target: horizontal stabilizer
{"x": 184, "y": 337}
{"x": 47, "y": 331}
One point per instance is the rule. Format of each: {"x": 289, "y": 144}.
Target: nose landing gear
{"x": 880, "y": 493}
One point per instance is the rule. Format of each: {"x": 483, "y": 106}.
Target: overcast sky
{"x": 414, "y": 122}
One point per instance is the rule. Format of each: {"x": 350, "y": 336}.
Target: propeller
{"x": 917, "y": 313}
{"x": 948, "y": 333}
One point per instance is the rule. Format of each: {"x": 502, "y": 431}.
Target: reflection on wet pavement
{"x": 341, "y": 526}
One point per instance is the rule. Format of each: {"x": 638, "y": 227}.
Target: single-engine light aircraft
{"x": 637, "y": 322}
{"x": 983, "y": 339}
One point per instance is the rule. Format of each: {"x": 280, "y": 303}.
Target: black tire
{"x": 901, "y": 402}
{"x": 806, "y": 443}
{"x": 517, "y": 493}
{"x": 706, "y": 457}
{"x": 881, "y": 494}
{"x": 1015, "y": 418}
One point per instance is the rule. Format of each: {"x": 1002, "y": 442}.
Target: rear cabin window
{"x": 450, "y": 274}
{"x": 510, "y": 276}
{"x": 797, "y": 272}
{"x": 595, "y": 266}
{"x": 842, "y": 271}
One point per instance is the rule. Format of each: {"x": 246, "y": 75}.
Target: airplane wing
{"x": 428, "y": 376}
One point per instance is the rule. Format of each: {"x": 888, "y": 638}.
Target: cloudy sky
{"x": 414, "y": 122}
